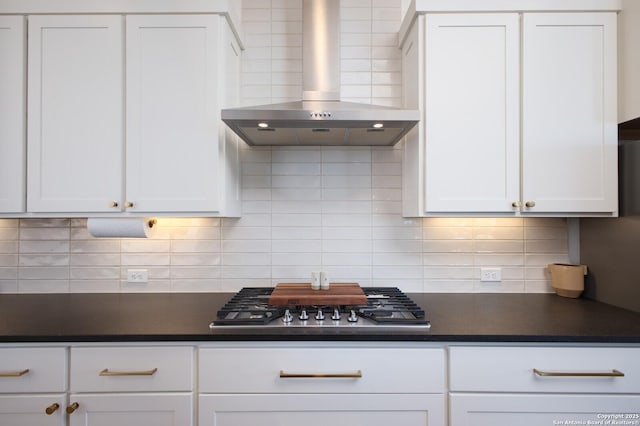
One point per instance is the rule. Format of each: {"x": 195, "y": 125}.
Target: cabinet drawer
{"x": 525, "y": 369}
{"x": 322, "y": 370}
{"x": 135, "y": 369}
{"x": 33, "y": 370}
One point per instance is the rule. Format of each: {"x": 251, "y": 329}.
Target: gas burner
{"x": 385, "y": 307}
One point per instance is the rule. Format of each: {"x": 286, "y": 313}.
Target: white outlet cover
{"x": 490, "y": 274}
{"x": 137, "y": 275}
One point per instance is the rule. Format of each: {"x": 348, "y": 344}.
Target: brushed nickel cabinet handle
{"x": 516, "y": 204}
{"x": 530, "y": 204}
{"x": 128, "y": 204}
{"x": 354, "y": 375}
{"x": 52, "y": 409}
{"x": 73, "y": 407}
{"x": 14, "y": 373}
{"x": 113, "y": 204}
{"x": 612, "y": 373}
{"x": 106, "y": 372}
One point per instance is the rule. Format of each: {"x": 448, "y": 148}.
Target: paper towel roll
{"x": 129, "y": 227}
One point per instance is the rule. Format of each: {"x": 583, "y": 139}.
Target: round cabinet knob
{"x": 128, "y": 204}
{"x": 52, "y": 408}
{"x": 530, "y": 204}
{"x": 516, "y": 204}
{"x": 113, "y": 204}
{"x": 73, "y": 407}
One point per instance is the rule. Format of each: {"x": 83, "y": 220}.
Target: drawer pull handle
{"x": 612, "y": 373}
{"x": 52, "y": 409}
{"x": 73, "y": 407}
{"x": 14, "y": 373}
{"x": 354, "y": 375}
{"x": 106, "y": 372}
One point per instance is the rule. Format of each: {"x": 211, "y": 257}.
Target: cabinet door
{"x": 75, "y": 132}
{"x": 29, "y": 410}
{"x": 471, "y": 112}
{"x": 536, "y": 410}
{"x": 569, "y": 125}
{"x": 12, "y": 114}
{"x": 172, "y": 113}
{"x": 322, "y": 410}
{"x": 132, "y": 410}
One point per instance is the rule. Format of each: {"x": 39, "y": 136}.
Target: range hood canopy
{"x": 320, "y": 118}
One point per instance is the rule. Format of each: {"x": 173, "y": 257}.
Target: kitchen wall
{"x": 331, "y": 209}
{"x": 613, "y": 272}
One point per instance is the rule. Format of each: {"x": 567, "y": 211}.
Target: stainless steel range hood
{"x": 320, "y": 118}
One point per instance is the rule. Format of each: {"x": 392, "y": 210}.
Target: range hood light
{"x": 263, "y": 125}
{"x": 378, "y": 126}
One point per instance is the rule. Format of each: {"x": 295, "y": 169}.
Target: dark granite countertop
{"x": 180, "y": 317}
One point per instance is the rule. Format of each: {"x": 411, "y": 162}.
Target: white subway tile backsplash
{"x": 296, "y": 246}
{"x": 8, "y": 285}
{"x": 296, "y": 219}
{"x": 195, "y": 259}
{"x": 95, "y": 286}
{"x": 95, "y": 259}
{"x": 346, "y": 207}
{"x": 293, "y": 232}
{"x": 355, "y": 26}
{"x": 293, "y": 181}
{"x": 8, "y": 273}
{"x": 345, "y": 194}
{"x": 95, "y": 273}
{"x": 8, "y": 234}
{"x": 300, "y": 194}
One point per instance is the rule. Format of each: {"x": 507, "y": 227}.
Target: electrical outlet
{"x": 137, "y": 275}
{"x": 491, "y": 274}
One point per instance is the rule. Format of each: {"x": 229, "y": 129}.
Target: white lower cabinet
{"x": 534, "y": 386}
{"x": 137, "y": 409}
{"x": 131, "y": 386}
{"x": 315, "y": 386}
{"x": 32, "y": 386}
{"x": 321, "y": 409}
{"x": 318, "y": 384}
{"x": 479, "y": 409}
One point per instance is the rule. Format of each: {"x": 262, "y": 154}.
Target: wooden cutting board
{"x": 292, "y": 294}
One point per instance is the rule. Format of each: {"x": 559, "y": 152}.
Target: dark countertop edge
{"x": 200, "y": 339}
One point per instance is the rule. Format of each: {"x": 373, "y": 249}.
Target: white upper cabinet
{"x": 12, "y": 114}
{"x": 519, "y": 114}
{"x": 472, "y": 111}
{"x": 174, "y": 77}
{"x": 569, "y": 124}
{"x": 166, "y": 79}
{"x": 75, "y": 116}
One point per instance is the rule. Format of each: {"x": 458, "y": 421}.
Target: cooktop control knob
{"x": 287, "y": 318}
{"x": 303, "y": 315}
{"x": 336, "y": 314}
{"x": 320, "y": 315}
{"x": 352, "y": 316}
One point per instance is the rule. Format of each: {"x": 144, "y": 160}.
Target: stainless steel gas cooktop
{"x": 386, "y": 307}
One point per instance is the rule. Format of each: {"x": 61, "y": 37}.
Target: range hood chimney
{"x": 320, "y": 118}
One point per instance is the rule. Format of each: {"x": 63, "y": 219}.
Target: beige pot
{"x": 566, "y": 279}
